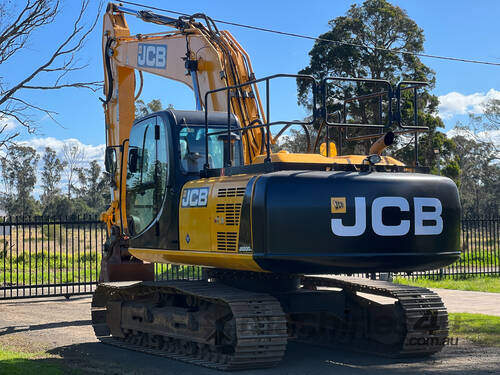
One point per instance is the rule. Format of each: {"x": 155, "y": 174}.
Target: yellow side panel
{"x": 242, "y": 262}
{"x": 214, "y": 226}
{"x": 195, "y": 222}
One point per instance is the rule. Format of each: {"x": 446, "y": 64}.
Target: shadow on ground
{"x": 37, "y": 327}
{"x": 299, "y": 359}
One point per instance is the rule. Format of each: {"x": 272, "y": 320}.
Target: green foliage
{"x": 296, "y": 142}
{"x": 375, "y": 24}
{"x": 492, "y": 114}
{"x": 54, "y": 232}
{"x": 142, "y": 109}
{"x": 74, "y": 155}
{"x": 60, "y": 206}
{"x": 19, "y": 178}
{"x": 480, "y": 284}
{"x": 51, "y": 176}
{"x": 479, "y": 176}
{"x": 479, "y": 328}
{"x": 451, "y": 170}
{"x": 92, "y": 190}
{"x": 172, "y": 272}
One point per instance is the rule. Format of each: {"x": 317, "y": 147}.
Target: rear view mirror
{"x": 133, "y": 156}
{"x": 110, "y": 160}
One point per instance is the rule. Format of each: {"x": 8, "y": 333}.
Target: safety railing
{"x": 266, "y": 117}
{"x": 393, "y": 117}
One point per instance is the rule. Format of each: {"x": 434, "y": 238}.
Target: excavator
{"x": 275, "y": 232}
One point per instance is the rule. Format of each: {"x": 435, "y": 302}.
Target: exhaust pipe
{"x": 380, "y": 144}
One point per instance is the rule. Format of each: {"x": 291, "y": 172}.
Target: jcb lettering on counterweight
{"x": 195, "y": 197}
{"x": 431, "y": 216}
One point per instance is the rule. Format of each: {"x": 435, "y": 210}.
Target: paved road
{"x": 63, "y": 328}
{"x": 470, "y": 302}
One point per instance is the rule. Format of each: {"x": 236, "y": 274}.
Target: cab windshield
{"x": 192, "y": 148}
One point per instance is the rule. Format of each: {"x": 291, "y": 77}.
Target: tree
{"x": 19, "y": 177}
{"x": 374, "y": 40}
{"x": 18, "y": 26}
{"x": 74, "y": 155}
{"x": 142, "y": 109}
{"x": 477, "y": 155}
{"x": 51, "y": 177}
{"x": 479, "y": 178}
{"x": 492, "y": 114}
{"x": 92, "y": 188}
{"x": 296, "y": 141}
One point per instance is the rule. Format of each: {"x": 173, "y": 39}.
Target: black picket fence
{"x": 480, "y": 245}
{"x": 61, "y": 256}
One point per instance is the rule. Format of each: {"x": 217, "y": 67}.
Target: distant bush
{"x": 54, "y": 232}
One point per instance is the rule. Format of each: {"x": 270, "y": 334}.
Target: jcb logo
{"x": 338, "y": 205}
{"x": 431, "y": 215}
{"x": 195, "y": 197}
{"x": 152, "y": 55}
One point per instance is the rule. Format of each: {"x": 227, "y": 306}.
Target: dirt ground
{"x": 63, "y": 328}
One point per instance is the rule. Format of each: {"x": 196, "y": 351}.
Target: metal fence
{"x": 480, "y": 245}
{"x": 47, "y": 257}
{"x": 59, "y": 257}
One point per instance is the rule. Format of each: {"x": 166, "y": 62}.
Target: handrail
{"x": 267, "y": 124}
{"x": 393, "y": 118}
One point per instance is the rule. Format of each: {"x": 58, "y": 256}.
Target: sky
{"x": 451, "y": 28}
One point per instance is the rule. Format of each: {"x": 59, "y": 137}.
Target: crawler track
{"x": 259, "y": 322}
{"x": 416, "y": 325}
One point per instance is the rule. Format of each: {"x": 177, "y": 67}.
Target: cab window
{"x": 192, "y": 148}
{"x": 147, "y": 173}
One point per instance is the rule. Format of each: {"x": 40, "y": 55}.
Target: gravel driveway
{"x": 63, "y": 327}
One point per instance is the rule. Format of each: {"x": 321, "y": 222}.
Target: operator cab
{"x": 167, "y": 149}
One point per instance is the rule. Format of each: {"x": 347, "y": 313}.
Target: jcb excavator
{"x": 203, "y": 187}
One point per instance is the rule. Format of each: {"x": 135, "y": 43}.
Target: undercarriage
{"x": 212, "y": 324}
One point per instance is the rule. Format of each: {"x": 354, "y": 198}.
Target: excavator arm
{"x": 191, "y": 52}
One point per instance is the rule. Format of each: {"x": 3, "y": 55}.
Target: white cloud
{"x": 9, "y": 122}
{"x": 91, "y": 152}
{"x": 455, "y": 103}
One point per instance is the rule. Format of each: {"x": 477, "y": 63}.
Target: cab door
{"x": 147, "y": 174}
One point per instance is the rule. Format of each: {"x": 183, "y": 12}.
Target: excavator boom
{"x": 212, "y": 60}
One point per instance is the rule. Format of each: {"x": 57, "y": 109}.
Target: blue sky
{"x": 452, "y": 28}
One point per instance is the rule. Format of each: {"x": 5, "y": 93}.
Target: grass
{"x": 22, "y": 363}
{"x": 172, "y": 272}
{"x": 481, "y": 258}
{"x": 26, "y": 268}
{"x": 478, "y": 328}
{"x": 57, "y": 267}
{"x": 479, "y": 284}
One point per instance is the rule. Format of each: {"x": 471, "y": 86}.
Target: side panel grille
{"x": 231, "y": 192}
{"x": 231, "y": 211}
{"x": 226, "y": 241}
